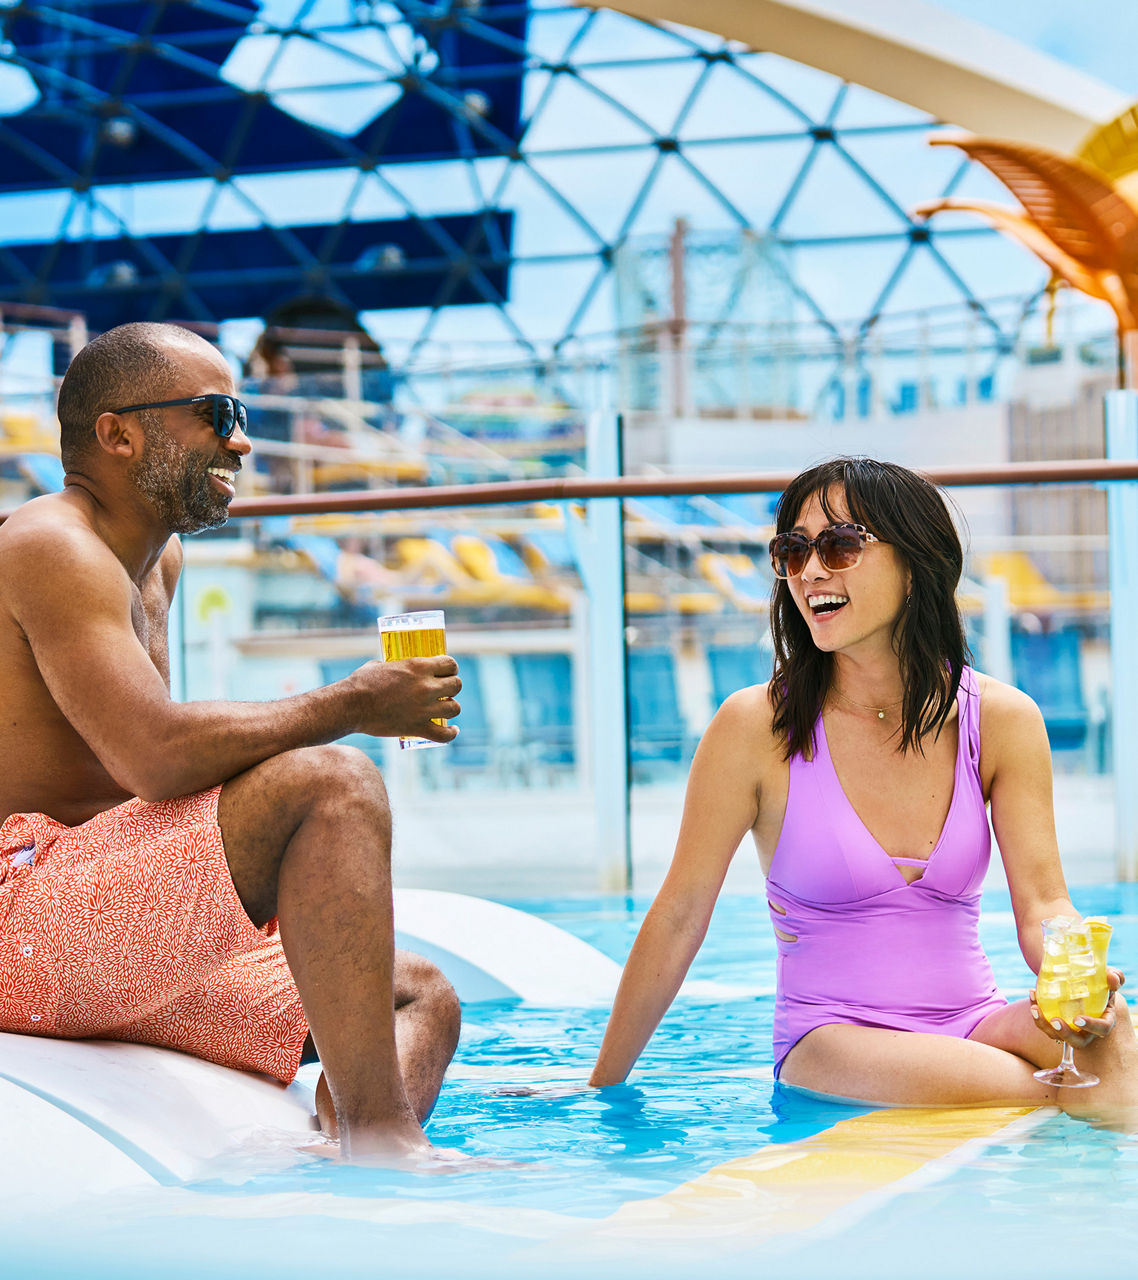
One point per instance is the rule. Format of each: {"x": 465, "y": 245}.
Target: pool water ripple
{"x": 651, "y": 1152}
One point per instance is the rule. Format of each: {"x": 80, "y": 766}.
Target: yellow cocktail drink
{"x": 1099, "y": 931}
{"x": 1071, "y": 983}
{"x": 1072, "y": 977}
{"x": 413, "y": 635}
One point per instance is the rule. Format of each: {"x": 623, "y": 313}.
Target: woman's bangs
{"x": 858, "y": 489}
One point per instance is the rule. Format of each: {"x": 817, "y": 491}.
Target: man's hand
{"x": 405, "y": 697}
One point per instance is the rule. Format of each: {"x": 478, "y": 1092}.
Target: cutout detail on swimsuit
{"x": 922, "y": 863}
{"x": 778, "y": 933}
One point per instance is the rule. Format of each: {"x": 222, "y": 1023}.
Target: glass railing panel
{"x": 282, "y": 605}
{"x": 1037, "y": 603}
{"x": 698, "y": 584}
{"x": 277, "y": 606}
{"x": 1037, "y": 607}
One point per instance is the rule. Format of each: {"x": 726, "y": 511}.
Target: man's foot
{"x": 429, "y": 1160}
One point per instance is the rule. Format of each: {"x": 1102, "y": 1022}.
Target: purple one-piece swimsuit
{"x": 871, "y": 949}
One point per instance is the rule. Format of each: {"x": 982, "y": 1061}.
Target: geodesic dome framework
{"x": 467, "y": 174}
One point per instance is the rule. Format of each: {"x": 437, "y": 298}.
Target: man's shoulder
{"x": 51, "y": 513}
{"x": 50, "y": 532}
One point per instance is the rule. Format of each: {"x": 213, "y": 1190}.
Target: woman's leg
{"x": 1113, "y": 1058}
{"x": 1013, "y": 1030}
{"x": 912, "y": 1068}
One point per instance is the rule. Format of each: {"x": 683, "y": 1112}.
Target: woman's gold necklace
{"x": 865, "y": 706}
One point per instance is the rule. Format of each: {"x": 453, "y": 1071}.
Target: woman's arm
{"x": 1016, "y": 768}
{"x": 1015, "y": 756}
{"x": 720, "y": 806}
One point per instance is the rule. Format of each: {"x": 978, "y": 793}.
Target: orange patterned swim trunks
{"x": 128, "y": 927}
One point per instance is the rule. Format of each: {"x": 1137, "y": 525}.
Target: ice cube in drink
{"x": 1099, "y": 932}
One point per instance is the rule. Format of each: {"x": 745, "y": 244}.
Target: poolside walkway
{"x": 540, "y": 842}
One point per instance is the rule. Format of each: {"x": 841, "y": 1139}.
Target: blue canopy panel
{"x": 131, "y": 92}
{"x": 222, "y": 275}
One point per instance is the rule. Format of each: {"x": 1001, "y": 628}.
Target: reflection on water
{"x": 702, "y": 1095}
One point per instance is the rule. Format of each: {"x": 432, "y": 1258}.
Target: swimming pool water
{"x": 701, "y": 1095}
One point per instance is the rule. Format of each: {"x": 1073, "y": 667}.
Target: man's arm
{"x": 74, "y": 602}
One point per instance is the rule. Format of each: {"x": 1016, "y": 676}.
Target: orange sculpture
{"x": 1079, "y": 214}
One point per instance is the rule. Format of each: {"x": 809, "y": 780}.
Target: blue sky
{"x": 552, "y": 282}
{"x": 1099, "y": 37}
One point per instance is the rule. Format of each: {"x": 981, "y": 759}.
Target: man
{"x": 149, "y": 846}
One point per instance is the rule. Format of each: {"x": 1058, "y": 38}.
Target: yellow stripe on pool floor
{"x": 794, "y": 1186}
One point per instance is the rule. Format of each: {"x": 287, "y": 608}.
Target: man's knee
{"x": 262, "y": 810}
{"x": 418, "y": 980}
{"x": 336, "y": 767}
{"x": 320, "y": 772}
{"x": 336, "y": 779}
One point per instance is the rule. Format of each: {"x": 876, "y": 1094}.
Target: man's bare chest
{"x": 150, "y": 618}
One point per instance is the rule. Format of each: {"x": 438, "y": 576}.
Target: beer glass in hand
{"x": 1072, "y": 982}
{"x": 414, "y": 635}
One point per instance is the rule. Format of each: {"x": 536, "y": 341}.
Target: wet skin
{"x": 86, "y": 722}
{"x": 739, "y": 782}
{"x": 48, "y": 766}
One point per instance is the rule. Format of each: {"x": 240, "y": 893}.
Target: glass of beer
{"x": 1072, "y": 981}
{"x": 413, "y": 635}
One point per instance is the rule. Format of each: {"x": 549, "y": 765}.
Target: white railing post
{"x": 1122, "y": 445}
{"x": 598, "y": 545}
{"x": 177, "y": 641}
{"x": 353, "y": 382}
{"x": 997, "y": 648}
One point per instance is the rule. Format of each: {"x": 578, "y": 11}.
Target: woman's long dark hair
{"x": 909, "y": 513}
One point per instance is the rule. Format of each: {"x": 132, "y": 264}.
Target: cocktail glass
{"x": 1071, "y": 982}
{"x": 413, "y": 635}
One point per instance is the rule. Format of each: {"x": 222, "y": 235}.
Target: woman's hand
{"x": 1085, "y": 1030}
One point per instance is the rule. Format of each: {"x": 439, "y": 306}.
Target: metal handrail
{"x": 560, "y": 489}
{"x": 571, "y": 489}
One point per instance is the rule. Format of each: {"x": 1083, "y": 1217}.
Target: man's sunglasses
{"x": 839, "y": 546}
{"x": 228, "y": 411}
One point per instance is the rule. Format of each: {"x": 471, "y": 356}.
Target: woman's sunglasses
{"x": 227, "y": 411}
{"x": 839, "y": 546}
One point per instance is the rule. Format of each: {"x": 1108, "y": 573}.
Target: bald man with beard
{"x": 148, "y": 847}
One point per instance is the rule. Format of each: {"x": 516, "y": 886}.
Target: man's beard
{"x": 176, "y": 482}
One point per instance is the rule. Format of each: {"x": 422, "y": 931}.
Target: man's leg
{"x": 427, "y": 1021}
{"x": 307, "y": 837}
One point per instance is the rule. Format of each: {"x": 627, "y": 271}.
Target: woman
{"x": 862, "y": 772}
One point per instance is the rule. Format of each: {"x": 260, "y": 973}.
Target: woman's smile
{"x": 825, "y": 604}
